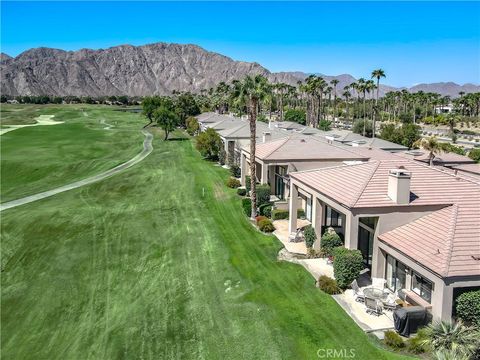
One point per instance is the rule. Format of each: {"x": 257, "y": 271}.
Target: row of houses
{"x": 417, "y": 226}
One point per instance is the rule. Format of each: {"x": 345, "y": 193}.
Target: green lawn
{"x": 40, "y": 158}
{"x": 143, "y": 265}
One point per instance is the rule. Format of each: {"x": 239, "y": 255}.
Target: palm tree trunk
{"x": 253, "y": 167}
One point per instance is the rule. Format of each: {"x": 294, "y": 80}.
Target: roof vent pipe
{"x": 399, "y": 186}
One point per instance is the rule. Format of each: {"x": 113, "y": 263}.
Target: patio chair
{"x": 358, "y": 295}
{"x": 390, "y": 302}
{"x": 374, "y": 306}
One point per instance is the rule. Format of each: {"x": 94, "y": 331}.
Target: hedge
{"x": 347, "y": 265}
{"x": 264, "y": 207}
{"x": 279, "y": 214}
{"x": 247, "y": 206}
{"x": 329, "y": 241}
{"x": 235, "y": 170}
{"x": 468, "y": 307}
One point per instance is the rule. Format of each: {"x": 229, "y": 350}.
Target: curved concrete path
{"x": 147, "y": 149}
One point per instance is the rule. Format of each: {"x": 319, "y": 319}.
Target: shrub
{"x": 192, "y": 125}
{"x": 347, "y": 265}
{"x": 209, "y": 144}
{"x": 263, "y": 194}
{"x": 247, "y": 206}
{"x": 313, "y": 254}
{"x": 235, "y": 170}
{"x": 468, "y": 307}
{"x": 301, "y": 213}
{"x": 295, "y": 115}
{"x": 266, "y": 225}
{"x": 262, "y": 208}
{"x": 259, "y": 218}
{"x": 328, "y": 285}
{"x": 279, "y": 214}
{"x": 267, "y": 211}
{"x": 310, "y": 236}
{"x": 233, "y": 183}
{"x": 393, "y": 340}
{"x": 474, "y": 154}
{"x": 417, "y": 344}
{"x": 329, "y": 241}
{"x": 242, "y": 192}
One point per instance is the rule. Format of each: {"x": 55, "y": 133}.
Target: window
{"x": 333, "y": 218}
{"x": 422, "y": 287}
{"x": 396, "y": 274}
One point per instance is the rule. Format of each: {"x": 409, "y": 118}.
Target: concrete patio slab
{"x": 281, "y": 232}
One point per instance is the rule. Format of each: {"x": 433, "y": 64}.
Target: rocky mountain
{"x": 156, "y": 68}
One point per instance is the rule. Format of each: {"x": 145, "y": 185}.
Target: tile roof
{"x": 442, "y": 158}
{"x": 444, "y": 241}
{"x": 304, "y": 147}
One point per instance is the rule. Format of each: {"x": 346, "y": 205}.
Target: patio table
{"x": 375, "y": 293}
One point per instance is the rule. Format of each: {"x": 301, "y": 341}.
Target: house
{"x": 416, "y": 226}
{"x": 443, "y": 159}
{"x": 357, "y": 140}
{"x": 275, "y": 159}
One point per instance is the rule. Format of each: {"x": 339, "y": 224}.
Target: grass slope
{"x": 40, "y": 158}
{"x": 142, "y": 265}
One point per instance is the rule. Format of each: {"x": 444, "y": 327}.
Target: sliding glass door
{"x": 396, "y": 274}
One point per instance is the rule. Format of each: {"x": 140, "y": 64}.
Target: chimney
{"x": 399, "y": 185}
{"x": 267, "y": 136}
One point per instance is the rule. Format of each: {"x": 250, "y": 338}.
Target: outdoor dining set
{"x": 377, "y": 298}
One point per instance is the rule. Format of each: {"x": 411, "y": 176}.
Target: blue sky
{"x": 413, "y": 42}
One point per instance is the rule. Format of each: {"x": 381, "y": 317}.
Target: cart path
{"x": 147, "y": 149}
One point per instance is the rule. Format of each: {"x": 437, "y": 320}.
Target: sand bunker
{"x": 41, "y": 120}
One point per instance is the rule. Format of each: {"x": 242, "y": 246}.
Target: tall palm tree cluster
{"x": 360, "y": 100}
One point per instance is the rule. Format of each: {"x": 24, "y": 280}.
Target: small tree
{"x": 166, "y": 119}
{"x": 310, "y": 236}
{"x": 325, "y": 125}
{"x": 347, "y": 265}
{"x": 295, "y": 115}
{"x": 192, "y": 126}
{"x": 361, "y": 125}
{"x": 329, "y": 241}
{"x": 209, "y": 144}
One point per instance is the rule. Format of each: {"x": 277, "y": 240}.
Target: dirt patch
{"x": 219, "y": 192}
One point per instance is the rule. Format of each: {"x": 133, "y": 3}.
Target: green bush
{"x": 474, "y": 154}
{"x": 247, "y": 206}
{"x": 393, "y": 340}
{"x": 263, "y": 207}
{"x": 193, "y": 127}
{"x": 263, "y": 194}
{"x": 267, "y": 211}
{"x": 233, "y": 183}
{"x": 242, "y": 192}
{"x": 468, "y": 307}
{"x": 328, "y": 285}
{"x": 310, "y": 236}
{"x": 418, "y": 344}
{"x": 279, "y": 214}
{"x": 301, "y": 213}
{"x": 266, "y": 225}
{"x": 209, "y": 144}
{"x": 247, "y": 183}
{"x": 329, "y": 241}
{"x": 235, "y": 170}
{"x": 347, "y": 265}
{"x": 295, "y": 115}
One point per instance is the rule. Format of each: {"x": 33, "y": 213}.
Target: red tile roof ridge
{"x": 363, "y": 187}
{"x": 337, "y": 166}
{"x": 450, "y": 238}
{"x": 281, "y": 141}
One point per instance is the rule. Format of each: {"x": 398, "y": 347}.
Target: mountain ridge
{"x": 157, "y": 68}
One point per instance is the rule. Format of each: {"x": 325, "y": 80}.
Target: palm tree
{"x": 431, "y": 145}
{"x": 334, "y": 83}
{"x": 454, "y": 338}
{"x": 377, "y": 74}
{"x": 346, "y": 94}
{"x": 253, "y": 89}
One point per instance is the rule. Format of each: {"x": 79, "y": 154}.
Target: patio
{"x": 281, "y": 232}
